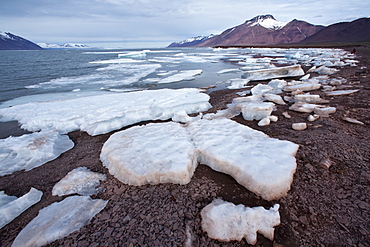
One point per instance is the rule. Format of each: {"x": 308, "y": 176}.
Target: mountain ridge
{"x": 9, "y": 41}
{"x": 266, "y": 30}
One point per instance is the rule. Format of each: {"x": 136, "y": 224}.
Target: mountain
{"x": 354, "y": 31}
{"x": 64, "y": 46}
{"x": 9, "y": 41}
{"x": 191, "y": 42}
{"x": 263, "y": 30}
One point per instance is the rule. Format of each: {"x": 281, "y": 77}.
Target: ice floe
{"x": 185, "y": 75}
{"x": 11, "y": 206}
{"x": 246, "y": 154}
{"x": 225, "y": 221}
{"x": 59, "y": 220}
{"x": 80, "y": 181}
{"x": 150, "y": 154}
{"x": 274, "y": 73}
{"x": 32, "y": 150}
{"x": 107, "y": 112}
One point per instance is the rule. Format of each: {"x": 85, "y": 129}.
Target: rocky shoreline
{"x": 325, "y": 207}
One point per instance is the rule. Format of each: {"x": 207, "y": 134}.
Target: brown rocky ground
{"x": 323, "y": 208}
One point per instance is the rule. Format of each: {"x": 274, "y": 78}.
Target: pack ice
{"x": 32, "y": 150}
{"x": 80, "y": 181}
{"x": 11, "y": 206}
{"x": 58, "y": 220}
{"x": 107, "y": 112}
{"x": 225, "y": 221}
{"x": 163, "y": 153}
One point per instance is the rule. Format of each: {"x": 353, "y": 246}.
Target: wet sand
{"x": 323, "y": 208}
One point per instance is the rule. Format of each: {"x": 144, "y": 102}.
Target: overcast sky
{"x": 158, "y": 22}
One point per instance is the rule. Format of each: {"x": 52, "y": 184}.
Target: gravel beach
{"x": 325, "y": 207}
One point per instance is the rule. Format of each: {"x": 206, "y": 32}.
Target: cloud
{"x": 168, "y": 20}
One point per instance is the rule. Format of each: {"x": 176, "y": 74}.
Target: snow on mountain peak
{"x": 266, "y": 21}
{"x": 4, "y": 35}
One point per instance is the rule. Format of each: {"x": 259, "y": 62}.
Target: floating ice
{"x": 185, "y": 75}
{"x": 58, "y": 220}
{"x": 80, "y": 181}
{"x": 263, "y": 165}
{"x": 134, "y": 54}
{"x": 224, "y": 71}
{"x": 107, "y": 112}
{"x": 225, "y": 221}
{"x": 341, "y": 92}
{"x": 11, "y": 206}
{"x": 150, "y": 154}
{"x": 279, "y": 72}
{"x": 32, "y": 150}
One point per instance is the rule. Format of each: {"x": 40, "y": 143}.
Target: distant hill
{"x": 9, "y": 41}
{"x": 64, "y": 46}
{"x": 191, "y": 41}
{"x": 260, "y": 30}
{"x": 343, "y": 32}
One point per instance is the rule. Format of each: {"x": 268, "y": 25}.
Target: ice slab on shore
{"x": 237, "y": 83}
{"x": 107, "y": 112}
{"x": 11, "y": 206}
{"x": 58, "y": 220}
{"x": 32, "y": 150}
{"x": 226, "y": 221}
{"x": 150, "y": 154}
{"x": 256, "y": 110}
{"x": 248, "y": 155}
{"x": 341, "y": 92}
{"x": 80, "y": 181}
{"x": 303, "y": 87}
{"x": 185, "y": 75}
{"x": 274, "y": 73}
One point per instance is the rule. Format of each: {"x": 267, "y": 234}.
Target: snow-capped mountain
{"x": 266, "y": 21}
{"x": 64, "y": 46}
{"x": 260, "y": 30}
{"x": 191, "y": 42}
{"x": 264, "y": 30}
{"x": 9, "y": 41}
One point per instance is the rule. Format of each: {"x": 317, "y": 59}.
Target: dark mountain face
{"x": 10, "y": 41}
{"x": 355, "y": 31}
{"x": 264, "y": 30}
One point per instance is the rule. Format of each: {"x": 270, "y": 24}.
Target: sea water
{"x": 49, "y": 75}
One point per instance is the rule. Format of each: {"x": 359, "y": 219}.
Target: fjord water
{"x": 53, "y": 73}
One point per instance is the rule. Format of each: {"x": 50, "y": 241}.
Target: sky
{"x": 156, "y": 23}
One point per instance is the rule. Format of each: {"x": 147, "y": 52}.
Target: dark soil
{"x": 323, "y": 208}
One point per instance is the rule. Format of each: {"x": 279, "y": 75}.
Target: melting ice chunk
{"x": 262, "y": 164}
{"x": 150, "y": 154}
{"x": 225, "y": 221}
{"x": 58, "y": 220}
{"x": 279, "y": 72}
{"x": 80, "y": 181}
{"x": 11, "y": 206}
{"x": 32, "y": 150}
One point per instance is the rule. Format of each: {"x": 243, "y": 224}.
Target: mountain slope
{"x": 191, "y": 42}
{"x": 354, "y": 31}
{"x": 9, "y": 41}
{"x": 264, "y": 30}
